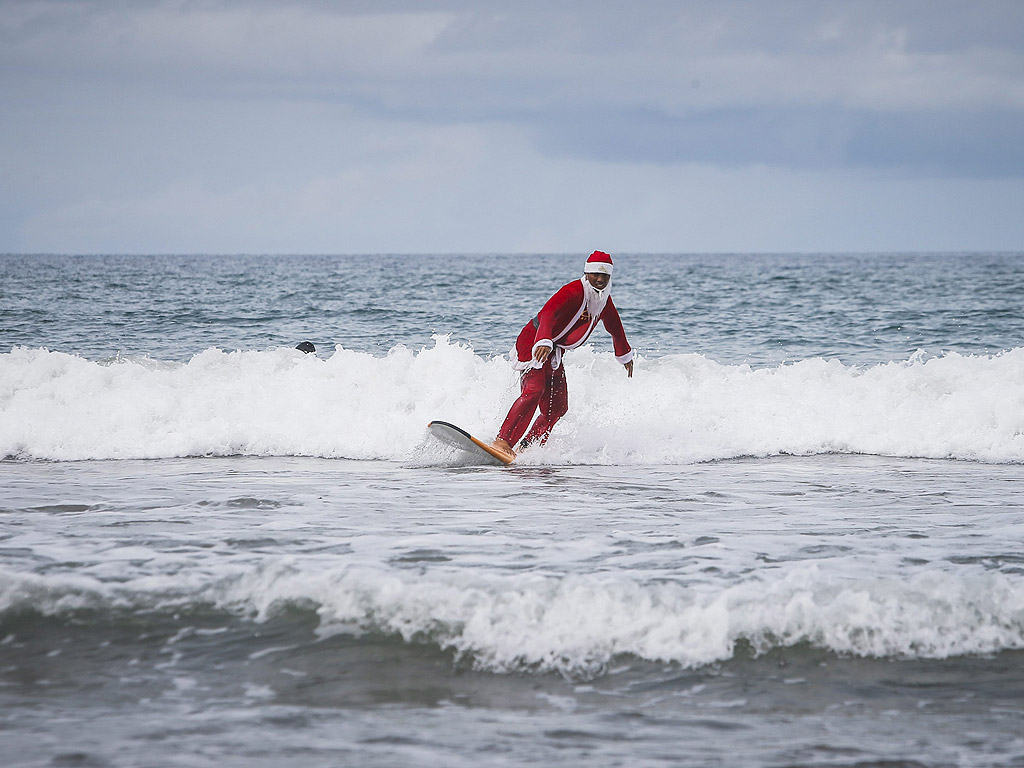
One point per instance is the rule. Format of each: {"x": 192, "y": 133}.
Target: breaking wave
{"x": 678, "y": 409}
{"x": 578, "y": 624}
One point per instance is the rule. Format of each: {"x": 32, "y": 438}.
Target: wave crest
{"x": 677, "y": 409}
{"x": 576, "y": 625}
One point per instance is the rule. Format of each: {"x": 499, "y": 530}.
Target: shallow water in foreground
{"x": 827, "y": 610}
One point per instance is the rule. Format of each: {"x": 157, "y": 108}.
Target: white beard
{"x": 596, "y": 299}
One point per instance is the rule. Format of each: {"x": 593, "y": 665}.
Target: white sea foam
{"x": 577, "y": 624}
{"x": 676, "y": 409}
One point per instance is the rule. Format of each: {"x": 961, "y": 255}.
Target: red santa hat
{"x": 599, "y": 262}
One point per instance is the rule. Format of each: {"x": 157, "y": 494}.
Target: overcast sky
{"x": 171, "y": 126}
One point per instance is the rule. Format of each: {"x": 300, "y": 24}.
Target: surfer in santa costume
{"x": 565, "y": 322}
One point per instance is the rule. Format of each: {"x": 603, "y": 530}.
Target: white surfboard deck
{"x": 459, "y": 438}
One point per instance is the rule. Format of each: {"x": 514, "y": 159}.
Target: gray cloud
{"x": 536, "y": 56}
{"x": 939, "y": 143}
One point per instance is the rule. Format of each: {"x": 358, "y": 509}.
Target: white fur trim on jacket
{"x": 524, "y": 365}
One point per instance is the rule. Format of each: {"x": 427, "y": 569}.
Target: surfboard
{"x": 459, "y": 438}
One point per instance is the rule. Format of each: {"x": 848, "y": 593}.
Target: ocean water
{"x": 793, "y": 538}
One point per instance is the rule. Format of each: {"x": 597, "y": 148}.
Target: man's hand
{"x": 629, "y": 368}
{"x": 540, "y": 354}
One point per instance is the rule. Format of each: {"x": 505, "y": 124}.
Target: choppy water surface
{"x": 792, "y": 539}
{"x": 760, "y": 308}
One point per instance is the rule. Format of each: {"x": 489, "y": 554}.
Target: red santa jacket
{"x": 565, "y": 323}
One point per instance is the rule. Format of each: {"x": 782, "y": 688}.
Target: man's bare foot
{"x": 502, "y": 445}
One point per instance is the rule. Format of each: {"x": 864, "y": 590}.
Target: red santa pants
{"x": 541, "y": 387}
